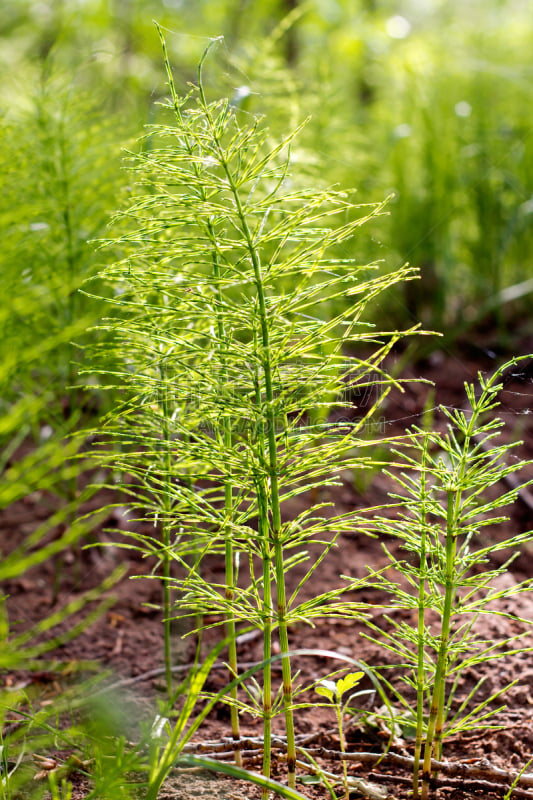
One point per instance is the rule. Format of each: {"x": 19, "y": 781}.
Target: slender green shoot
{"x": 334, "y": 691}
{"x": 438, "y": 514}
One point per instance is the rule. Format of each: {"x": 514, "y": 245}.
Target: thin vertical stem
{"x": 439, "y": 725}
{"x": 264, "y": 533}
{"x": 342, "y": 741}
{"x": 435, "y": 714}
{"x": 267, "y": 410}
{"x": 166, "y": 608}
{"x": 275, "y": 506}
{"x": 267, "y": 634}
{"x": 420, "y": 673}
{"x": 165, "y": 531}
{"x": 229, "y": 575}
{"x": 229, "y": 554}
{"x": 230, "y": 619}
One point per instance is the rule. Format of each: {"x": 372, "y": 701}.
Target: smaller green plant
{"x": 443, "y": 571}
{"x": 8, "y": 767}
{"x": 61, "y": 790}
{"x": 336, "y": 693}
{"x": 516, "y": 781}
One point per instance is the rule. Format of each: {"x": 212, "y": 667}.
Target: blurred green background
{"x": 426, "y": 101}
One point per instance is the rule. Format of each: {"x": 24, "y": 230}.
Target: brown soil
{"x": 127, "y": 639}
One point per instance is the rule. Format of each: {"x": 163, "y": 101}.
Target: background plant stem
{"x": 420, "y": 674}
{"x": 437, "y": 700}
{"x": 165, "y": 533}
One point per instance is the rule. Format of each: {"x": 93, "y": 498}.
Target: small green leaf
{"x": 348, "y": 682}
{"x": 327, "y": 689}
{"x": 309, "y": 780}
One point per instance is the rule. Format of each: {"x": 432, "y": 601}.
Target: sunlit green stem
{"x": 454, "y": 498}
{"x": 228, "y": 547}
{"x": 264, "y": 533}
{"x": 419, "y": 682}
{"x": 228, "y": 508}
{"x": 275, "y": 506}
{"x": 267, "y": 635}
{"x": 420, "y": 673}
{"x": 451, "y": 546}
{"x": 231, "y": 632}
{"x": 227, "y": 437}
{"x": 165, "y": 530}
{"x": 270, "y": 422}
{"x": 342, "y": 740}
{"x": 438, "y": 695}
{"x": 439, "y": 726}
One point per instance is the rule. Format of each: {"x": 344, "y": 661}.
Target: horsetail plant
{"x": 228, "y": 265}
{"x": 223, "y": 343}
{"x": 442, "y": 507}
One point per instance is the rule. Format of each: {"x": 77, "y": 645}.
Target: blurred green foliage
{"x": 424, "y": 100}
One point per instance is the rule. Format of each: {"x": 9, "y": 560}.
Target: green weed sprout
{"x": 514, "y": 784}
{"x": 335, "y": 691}
{"x": 8, "y": 769}
{"x": 442, "y": 507}
{"x": 59, "y": 791}
{"x": 226, "y": 354}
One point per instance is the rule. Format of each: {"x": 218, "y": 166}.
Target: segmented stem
{"x": 274, "y": 506}
{"x": 267, "y": 635}
{"x": 420, "y": 682}
{"x": 437, "y": 700}
{"x": 229, "y": 554}
{"x": 165, "y": 533}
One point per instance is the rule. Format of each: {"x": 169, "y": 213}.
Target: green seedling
{"x": 167, "y": 741}
{"x": 335, "y": 691}
{"x": 509, "y": 794}
{"x": 8, "y": 769}
{"x": 59, "y": 790}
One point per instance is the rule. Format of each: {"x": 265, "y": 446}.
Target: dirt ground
{"x": 127, "y": 639}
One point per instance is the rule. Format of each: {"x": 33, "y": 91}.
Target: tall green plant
{"x": 57, "y": 157}
{"x": 230, "y": 264}
{"x": 443, "y": 507}
{"x": 61, "y": 184}
{"x": 37, "y": 467}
